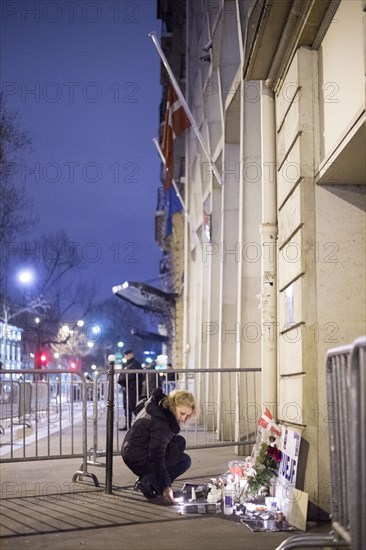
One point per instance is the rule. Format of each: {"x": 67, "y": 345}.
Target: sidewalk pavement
{"x": 42, "y": 509}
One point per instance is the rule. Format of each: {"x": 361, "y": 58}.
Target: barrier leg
{"x": 312, "y": 541}
{"x": 110, "y": 422}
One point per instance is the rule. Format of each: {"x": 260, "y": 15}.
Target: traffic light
{"x": 41, "y": 360}
{"x": 73, "y": 365}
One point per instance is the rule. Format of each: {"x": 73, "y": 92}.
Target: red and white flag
{"x": 176, "y": 122}
{"x": 266, "y": 422}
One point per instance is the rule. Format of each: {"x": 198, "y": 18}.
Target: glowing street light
{"x": 26, "y": 276}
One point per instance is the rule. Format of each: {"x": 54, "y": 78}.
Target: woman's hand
{"x": 168, "y": 495}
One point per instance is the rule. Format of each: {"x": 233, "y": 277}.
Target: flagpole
{"x": 186, "y": 213}
{"x": 185, "y": 106}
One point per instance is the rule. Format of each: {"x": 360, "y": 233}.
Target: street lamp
{"x": 26, "y": 276}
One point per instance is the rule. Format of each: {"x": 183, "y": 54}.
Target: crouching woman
{"x": 152, "y": 448}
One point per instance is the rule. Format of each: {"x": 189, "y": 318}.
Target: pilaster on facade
{"x": 296, "y": 221}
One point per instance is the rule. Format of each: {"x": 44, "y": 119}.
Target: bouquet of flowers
{"x": 265, "y": 467}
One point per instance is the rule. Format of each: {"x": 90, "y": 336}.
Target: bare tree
{"x": 15, "y": 206}
{"x": 59, "y": 268}
{"x": 58, "y": 285}
{"x": 59, "y": 293}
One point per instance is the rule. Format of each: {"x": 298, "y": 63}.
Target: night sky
{"x": 84, "y": 78}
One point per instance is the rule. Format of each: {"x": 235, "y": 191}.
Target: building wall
{"x": 177, "y": 252}
{"x": 224, "y": 272}
{"x": 341, "y": 92}
{"x": 172, "y": 15}
{"x": 321, "y": 228}
{"x": 341, "y": 289}
{"x": 321, "y": 239}
{"x": 340, "y": 207}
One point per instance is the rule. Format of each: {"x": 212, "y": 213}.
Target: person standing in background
{"x": 131, "y": 385}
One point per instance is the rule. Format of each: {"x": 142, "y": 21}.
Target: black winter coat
{"x": 147, "y": 441}
{"x": 132, "y": 364}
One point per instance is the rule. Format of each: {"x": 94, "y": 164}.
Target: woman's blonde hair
{"x": 178, "y": 398}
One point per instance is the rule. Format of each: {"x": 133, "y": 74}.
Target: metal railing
{"x": 228, "y": 405}
{"x": 44, "y": 417}
{"x": 346, "y": 393}
{"x": 58, "y": 414}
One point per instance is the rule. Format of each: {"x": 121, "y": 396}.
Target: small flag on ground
{"x": 266, "y": 422}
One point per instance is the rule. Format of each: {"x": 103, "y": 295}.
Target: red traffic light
{"x": 73, "y": 365}
{"x": 41, "y": 360}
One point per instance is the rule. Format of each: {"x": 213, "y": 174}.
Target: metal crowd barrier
{"x": 346, "y": 392}
{"x": 9, "y": 402}
{"x": 38, "y": 415}
{"x": 228, "y": 406}
{"x": 20, "y": 400}
{"x": 58, "y": 414}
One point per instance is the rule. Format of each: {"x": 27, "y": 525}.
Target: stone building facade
{"x": 273, "y": 261}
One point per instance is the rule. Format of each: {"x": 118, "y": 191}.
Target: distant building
{"x": 10, "y": 346}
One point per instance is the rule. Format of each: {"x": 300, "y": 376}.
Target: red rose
{"x": 274, "y": 453}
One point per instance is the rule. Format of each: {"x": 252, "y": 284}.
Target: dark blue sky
{"x": 84, "y": 77}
